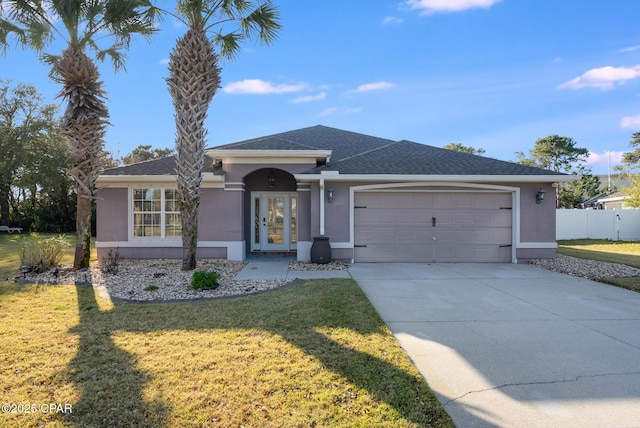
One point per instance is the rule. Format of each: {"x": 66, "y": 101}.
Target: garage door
{"x": 432, "y": 227}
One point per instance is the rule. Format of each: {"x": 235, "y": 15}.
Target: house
{"x": 616, "y": 201}
{"x": 377, "y": 200}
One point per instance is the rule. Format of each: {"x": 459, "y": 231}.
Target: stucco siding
{"x": 112, "y": 214}
{"x": 304, "y": 216}
{"x": 163, "y": 253}
{"x": 220, "y": 215}
{"x": 525, "y": 254}
{"x": 537, "y": 221}
{"x": 235, "y": 173}
{"x": 337, "y": 213}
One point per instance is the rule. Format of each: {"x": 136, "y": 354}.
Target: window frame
{"x": 163, "y": 212}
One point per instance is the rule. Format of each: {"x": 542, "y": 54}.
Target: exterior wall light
{"x": 330, "y": 193}
{"x": 540, "y": 196}
{"x": 272, "y": 180}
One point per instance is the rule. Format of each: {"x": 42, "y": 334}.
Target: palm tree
{"x": 81, "y": 24}
{"x": 194, "y": 77}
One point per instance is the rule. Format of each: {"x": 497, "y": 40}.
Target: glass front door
{"x": 274, "y": 221}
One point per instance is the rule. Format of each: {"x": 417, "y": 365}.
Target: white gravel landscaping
{"x": 586, "y": 268}
{"x": 147, "y": 280}
{"x": 163, "y": 280}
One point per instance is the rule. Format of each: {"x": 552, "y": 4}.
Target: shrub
{"x": 109, "y": 264}
{"x": 151, "y": 287}
{"x": 202, "y": 279}
{"x": 41, "y": 254}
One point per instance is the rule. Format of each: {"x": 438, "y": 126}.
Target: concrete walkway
{"x": 514, "y": 345}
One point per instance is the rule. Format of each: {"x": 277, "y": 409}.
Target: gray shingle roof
{"x": 409, "y": 158}
{"x": 342, "y": 143}
{"x": 354, "y": 153}
{"x": 163, "y": 166}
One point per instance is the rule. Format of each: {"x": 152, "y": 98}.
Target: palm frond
{"x": 192, "y": 11}
{"x": 234, "y": 8}
{"x": 9, "y": 30}
{"x": 263, "y": 22}
{"x": 229, "y": 44}
{"x": 49, "y": 58}
{"x": 25, "y": 23}
{"x": 116, "y": 54}
{"x": 39, "y": 35}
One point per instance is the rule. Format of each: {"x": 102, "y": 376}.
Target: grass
{"x": 624, "y": 252}
{"x": 315, "y": 354}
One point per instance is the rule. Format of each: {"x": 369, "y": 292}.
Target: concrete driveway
{"x": 514, "y": 345}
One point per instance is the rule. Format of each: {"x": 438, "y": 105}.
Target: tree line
{"x": 559, "y": 154}
{"x": 104, "y": 29}
{"x": 35, "y": 191}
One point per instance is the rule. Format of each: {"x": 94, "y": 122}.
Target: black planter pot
{"x": 320, "y": 250}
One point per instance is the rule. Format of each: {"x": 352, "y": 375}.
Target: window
{"x": 155, "y": 213}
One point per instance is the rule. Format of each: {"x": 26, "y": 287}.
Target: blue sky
{"x": 495, "y": 74}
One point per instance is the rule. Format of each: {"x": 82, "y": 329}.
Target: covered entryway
{"x": 432, "y": 226}
{"x": 275, "y": 221}
{"x": 270, "y": 211}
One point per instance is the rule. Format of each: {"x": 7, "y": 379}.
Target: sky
{"x": 492, "y": 74}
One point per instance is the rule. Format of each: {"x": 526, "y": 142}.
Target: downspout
{"x": 322, "y": 206}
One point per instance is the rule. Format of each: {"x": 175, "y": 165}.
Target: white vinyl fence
{"x": 617, "y": 225}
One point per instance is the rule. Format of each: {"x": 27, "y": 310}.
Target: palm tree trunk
{"x": 84, "y": 125}
{"x": 193, "y": 80}
{"x": 83, "y": 232}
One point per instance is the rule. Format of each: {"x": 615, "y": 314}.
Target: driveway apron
{"x": 514, "y": 345}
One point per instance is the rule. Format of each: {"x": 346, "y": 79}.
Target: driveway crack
{"x": 551, "y": 382}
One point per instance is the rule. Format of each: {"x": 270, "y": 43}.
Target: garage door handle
{"x": 433, "y": 222}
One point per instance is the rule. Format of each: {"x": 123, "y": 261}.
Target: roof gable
{"x": 343, "y": 144}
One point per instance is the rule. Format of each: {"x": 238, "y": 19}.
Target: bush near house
{"x": 40, "y": 254}
{"x": 203, "y": 279}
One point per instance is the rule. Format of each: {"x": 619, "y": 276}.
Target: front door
{"x": 274, "y": 221}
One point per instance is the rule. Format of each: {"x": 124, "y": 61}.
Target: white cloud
{"x": 392, "y": 20}
{"x": 428, "y": 7}
{"x": 257, "y": 86}
{"x": 164, "y": 61}
{"x": 309, "y": 98}
{"x": 603, "y": 78}
{"x": 340, "y": 110}
{"x": 629, "y": 49}
{"x": 630, "y": 121}
{"x": 368, "y": 87}
{"x": 603, "y": 160}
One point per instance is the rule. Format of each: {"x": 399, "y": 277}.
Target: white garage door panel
{"x": 398, "y": 227}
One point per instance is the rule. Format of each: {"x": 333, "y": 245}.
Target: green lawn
{"x": 627, "y": 253}
{"x": 315, "y": 354}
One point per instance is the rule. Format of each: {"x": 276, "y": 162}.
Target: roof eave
{"x": 260, "y": 156}
{"x": 335, "y": 176}
{"x": 208, "y": 180}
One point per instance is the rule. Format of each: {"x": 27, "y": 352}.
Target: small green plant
{"x": 40, "y": 254}
{"x": 109, "y": 264}
{"x": 151, "y": 287}
{"x": 202, "y": 279}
